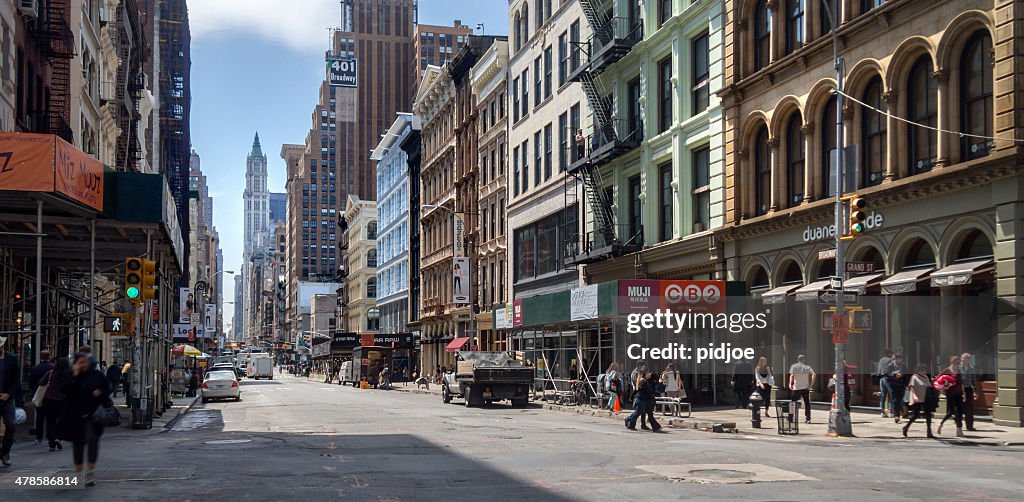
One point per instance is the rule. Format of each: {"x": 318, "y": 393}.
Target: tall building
{"x": 278, "y": 208}
{"x": 436, "y": 45}
{"x": 944, "y": 208}
{"x": 359, "y": 239}
{"x": 393, "y": 220}
{"x": 489, "y": 84}
{"x": 346, "y": 124}
{"x": 255, "y": 197}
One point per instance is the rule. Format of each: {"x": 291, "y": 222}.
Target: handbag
{"x": 106, "y": 416}
{"x": 37, "y": 398}
{"x": 771, "y": 380}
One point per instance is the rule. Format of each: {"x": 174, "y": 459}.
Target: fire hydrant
{"x": 755, "y": 409}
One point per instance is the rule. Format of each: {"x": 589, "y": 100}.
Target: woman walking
{"x": 53, "y": 400}
{"x": 673, "y": 382}
{"x": 86, "y": 391}
{"x": 613, "y": 384}
{"x": 923, "y": 399}
{"x": 950, "y": 380}
{"x": 765, "y": 381}
{"x": 644, "y": 403}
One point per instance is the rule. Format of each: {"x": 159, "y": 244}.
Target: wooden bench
{"x": 672, "y": 406}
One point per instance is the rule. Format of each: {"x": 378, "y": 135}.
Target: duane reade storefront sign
{"x": 873, "y": 221}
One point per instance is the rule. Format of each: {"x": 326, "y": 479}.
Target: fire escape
{"x": 127, "y": 91}
{"x": 52, "y": 35}
{"x": 613, "y": 38}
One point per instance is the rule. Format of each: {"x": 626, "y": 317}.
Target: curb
{"x": 172, "y": 422}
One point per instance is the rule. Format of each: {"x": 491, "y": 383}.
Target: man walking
{"x": 801, "y": 379}
{"x": 37, "y": 373}
{"x": 10, "y": 398}
{"x": 114, "y": 377}
{"x": 883, "y": 382}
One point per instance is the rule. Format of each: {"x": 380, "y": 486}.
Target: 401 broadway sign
{"x": 341, "y": 72}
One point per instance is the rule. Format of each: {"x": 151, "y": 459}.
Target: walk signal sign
{"x": 133, "y": 278}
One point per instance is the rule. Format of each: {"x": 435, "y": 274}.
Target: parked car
{"x": 220, "y": 385}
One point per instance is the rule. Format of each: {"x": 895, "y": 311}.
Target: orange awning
{"x": 456, "y": 344}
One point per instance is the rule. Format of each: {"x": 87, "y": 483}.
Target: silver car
{"x": 220, "y": 385}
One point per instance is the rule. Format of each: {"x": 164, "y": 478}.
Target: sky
{"x": 257, "y": 67}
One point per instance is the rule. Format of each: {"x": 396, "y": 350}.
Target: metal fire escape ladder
{"x": 57, "y": 44}
{"x": 599, "y": 20}
{"x": 604, "y": 132}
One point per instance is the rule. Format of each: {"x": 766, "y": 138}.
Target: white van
{"x": 262, "y": 366}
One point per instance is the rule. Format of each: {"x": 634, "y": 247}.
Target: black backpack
{"x": 931, "y": 399}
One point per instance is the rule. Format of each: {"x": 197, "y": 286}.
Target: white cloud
{"x": 299, "y": 24}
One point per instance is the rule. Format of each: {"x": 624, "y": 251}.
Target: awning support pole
{"x": 38, "y": 337}
{"x": 92, "y": 281}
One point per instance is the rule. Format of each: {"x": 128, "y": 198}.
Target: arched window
{"x": 794, "y": 25}
{"x": 976, "y": 96}
{"x": 873, "y": 133}
{"x": 526, "y": 23}
{"x": 540, "y": 14}
{"x": 517, "y": 24}
{"x": 922, "y": 108}
{"x": 762, "y": 173}
{"x": 794, "y": 161}
{"x": 828, "y": 145}
{"x": 762, "y": 35}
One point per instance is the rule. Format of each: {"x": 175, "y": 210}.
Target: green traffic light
{"x": 132, "y": 292}
{"x": 857, "y": 228}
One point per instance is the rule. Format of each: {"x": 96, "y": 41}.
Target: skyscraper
{"x": 256, "y": 197}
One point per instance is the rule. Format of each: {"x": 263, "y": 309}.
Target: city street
{"x": 291, "y": 438}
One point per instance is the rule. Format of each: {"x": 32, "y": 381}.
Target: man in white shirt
{"x": 801, "y": 379}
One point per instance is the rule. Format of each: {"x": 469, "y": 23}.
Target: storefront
{"x": 925, "y": 270}
{"x": 339, "y": 350}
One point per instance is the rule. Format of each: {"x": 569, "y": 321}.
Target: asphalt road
{"x": 290, "y": 439}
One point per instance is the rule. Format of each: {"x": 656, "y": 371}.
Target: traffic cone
{"x": 833, "y": 400}
{"x": 617, "y": 408}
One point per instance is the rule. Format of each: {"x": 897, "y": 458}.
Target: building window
{"x": 823, "y": 18}
{"x": 664, "y": 11}
{"x": 633, "y": 111}
{"x": 537, "y": 245}
{"x": 538, "y": 159}
{"x": 794, "y": 25}
{"x": 873, "y": 130}
{"x": 762, "y": 35}
{"x": 518, "y": 26}
{"x": 563, "y": 58}
{"x": 371, "y": 287}
{"x": 866, "y": 5}
{"x": 538, "y": 91}
{"x": 515, "y": 100}
{"x": 794, "y": 161}
{"x": 665, "y": 94}
{"x": 762, "y": 173}
{"x": 922, "y": 108}
{"x": 525, "y": 77}
{"x": 515, "y": 172}
{"x": 574, "y": 128}
{"x": 701, "y": 189}
{"x": 665, "y": 179}
{"x": 548, "y": 145}
{"x": 574, "y": 45}
{"x": 563, "y": 141}
{"x": 548, "y": 69}
{"x": 526, "y": 165}
{"x": 636, "y": 214}
{"x": 371, "y": 230}
{"x": 976, "y": 97}
{"x": 701, "y": 73}
{"x": 371, "y": 258}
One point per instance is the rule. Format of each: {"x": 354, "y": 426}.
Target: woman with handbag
{"x": 765, "y": 381}
{"x": 613, "y": 384}
{"x": 53, "y": 399}
{"x": 88, "y": 398}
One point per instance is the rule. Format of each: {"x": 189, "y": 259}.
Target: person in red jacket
{"x": 955, "y": 396}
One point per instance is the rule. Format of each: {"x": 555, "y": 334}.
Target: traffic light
{"x": 857, "y": 215}
{"x": 133, "y": 278}
{"x": 148, "y": 279}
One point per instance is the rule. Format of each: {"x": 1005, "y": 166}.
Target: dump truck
{"x": 484, "y": 377}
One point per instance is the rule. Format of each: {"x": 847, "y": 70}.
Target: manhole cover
{"x": 139, "y": 474}
{"x": 721, "y": 474}
{"x": 228, "y": 441}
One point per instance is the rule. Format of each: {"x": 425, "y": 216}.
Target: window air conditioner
{"x": 29, "y": 8}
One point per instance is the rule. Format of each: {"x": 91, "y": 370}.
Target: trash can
{"x": 788, "y": 414}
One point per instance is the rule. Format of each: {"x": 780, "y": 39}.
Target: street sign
{"x": 836, "y": 282}
{"x": 829, "y": 297}
{"x": 860, "y": 267}
{"x": 197, "y": 318}
{"x": 341, "y": 72}
{"x": 827, "y": 254}
{"x": 840, "y": 327}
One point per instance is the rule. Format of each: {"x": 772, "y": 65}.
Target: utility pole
{"x": 839, "y": 417}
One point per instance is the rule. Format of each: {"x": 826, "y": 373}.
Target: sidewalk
{"x": 866, "y": 425}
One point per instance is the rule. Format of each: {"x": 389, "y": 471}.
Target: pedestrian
{"x": 53, "y": 401}
{"x": 742, "y": 381}
{"x": 895, "y": 374}
{"x": 35, "y": 376}
{"x": 87, "y": 391}
{"x": 848, "y": 380}
{"x": 634, "y": 377}
{"x": 613, "y": 384}
{"x": 952, "y": 381}
{"x": 114, "y": 377}
{"x": 644, "y": 407}
{"x": 193, "y": 384}
{"x": 641, "y": 375}
{"x": 923, "y": 399}
{"x": 10, "y": 398}
{"x": 801, "y": 380}
{"x": 103, "y": 367}
{"x": 970, "y": 381}
{"x": 883, "y": 383}
{"x": 765, "y": 382}
{"x": 673, "y": 381}
{"x": 126, "y": 381}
